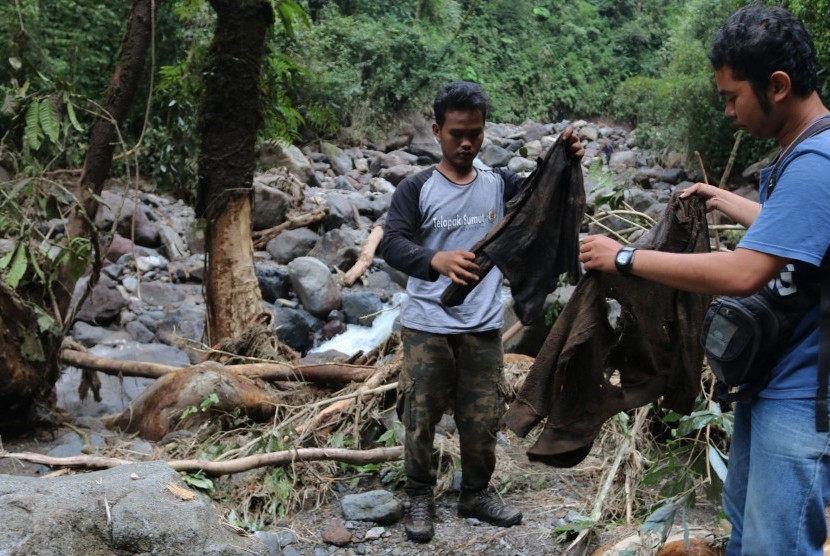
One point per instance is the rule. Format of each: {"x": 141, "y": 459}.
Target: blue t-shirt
{"x": 794, "y": 222}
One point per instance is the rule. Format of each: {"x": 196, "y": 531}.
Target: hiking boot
{"x": 485, "y": 506}
{"x": 418, "y": 522}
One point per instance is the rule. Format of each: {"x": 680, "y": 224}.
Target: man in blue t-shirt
{"x": 778, "y": 482}
{"x": 452, "y": 356}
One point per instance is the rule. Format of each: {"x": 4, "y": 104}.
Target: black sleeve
{"x": 512, "y": 182}
{"x": 399, "y": 246}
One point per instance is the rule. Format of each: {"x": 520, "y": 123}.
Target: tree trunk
{"x": 230, "y": 119}
{"x": 28, "y": 355}
{"x": 104, "y": 136}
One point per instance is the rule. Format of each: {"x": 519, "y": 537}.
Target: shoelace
{"x": 419, "y": 508}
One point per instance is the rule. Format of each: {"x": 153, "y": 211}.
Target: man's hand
{"x": 598, "y": 253}
{"x": 459, "y": 266}
{"x": 577, "y": 150}
{"x": 707, "y": 192}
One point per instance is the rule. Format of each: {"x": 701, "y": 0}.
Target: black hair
{"x": 756, "y": 41}
{"x": 460, "y": 95}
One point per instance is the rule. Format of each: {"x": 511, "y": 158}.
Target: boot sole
{"x": 497, "y": 522}
{"x": 419, "y": 538}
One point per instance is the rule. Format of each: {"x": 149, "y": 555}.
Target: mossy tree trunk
{"x": 229, "y": 120}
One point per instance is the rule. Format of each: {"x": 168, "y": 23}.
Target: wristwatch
{"x": 624, "y": 260}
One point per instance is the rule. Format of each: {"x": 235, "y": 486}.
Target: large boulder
{"x": 142, "y": 508}
{"x": 315, "y": 286}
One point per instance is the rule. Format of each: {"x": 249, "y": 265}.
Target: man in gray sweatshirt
{"x": 453, "y": 356}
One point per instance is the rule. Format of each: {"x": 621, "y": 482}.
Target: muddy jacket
{"x": 589, "y": 370}
{"x": 537, "y": 240}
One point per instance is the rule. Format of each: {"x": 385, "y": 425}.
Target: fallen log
{"x": 354, "y": 457}
{"x": 322, "y": 372}
{"x": 364, "y": 260}
{"x": 262, "y": 237}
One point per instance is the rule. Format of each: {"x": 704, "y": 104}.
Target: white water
{"x": 365, "y": 338}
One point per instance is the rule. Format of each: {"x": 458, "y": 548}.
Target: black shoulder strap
{"x": 819, "y": 125}
{"x": 822, "y": 424}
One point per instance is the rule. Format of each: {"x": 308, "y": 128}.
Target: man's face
{"x": 460, "y": 137}
{"x": 742, "y": 104}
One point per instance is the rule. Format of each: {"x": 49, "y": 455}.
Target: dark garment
{"x": 538, "y": 238}
{"x": 652, "y": 351}
{"x": 458, "y": 372}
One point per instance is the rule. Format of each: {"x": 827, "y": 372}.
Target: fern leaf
{"x": 70, "y": 111}
{"x": 49, "y": 120}
{"x": 33, "y": 133}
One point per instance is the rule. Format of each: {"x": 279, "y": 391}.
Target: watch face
{"x": 624, "y": 257}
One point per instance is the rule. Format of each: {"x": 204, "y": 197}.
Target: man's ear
{"x": 435, "y": 129}
{"x": 780, "y": 85}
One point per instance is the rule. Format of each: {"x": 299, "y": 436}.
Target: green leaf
{"x": 541, "y": 12}
{"x": 70, "y": 111}
{"x": 18, "y": 266}
{"x": 716, "y": 460}
{"x": 33, "y": 133}
{"x": 49, "y": 120}
{"x": 198, "y": 480}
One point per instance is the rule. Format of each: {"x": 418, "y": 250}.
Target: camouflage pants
{"x": 459, "y": 372}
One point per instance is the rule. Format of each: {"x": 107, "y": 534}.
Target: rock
{"x": 271, "y": 542}
{"x": 621, "y": 160}
{"x": 340, "y": 162}
{"x": 108, "y": 512}
{"x": 397, "y": 174}
{"x": 338, "y": 248}
{"x": 336, "y": 533}
{"x": 495, "y": 156}
{"x": 87, "y": 334}
{"x": 315, "y": 286}
{"x": 190, "y": 269}
{"x": 172, "y": 243}
{"x": 163, "y": 294}
{"x": 139, "y": 332}
{"x": 128, "y": 217}
{"x": 361, "y": 308}
{"x": 292, "y": 244}
{"x": 103, "y": 305}
{"x": 521, "y": 165}
{"x": 378, "y": 506}
{"x": 334, "y": 325}
{"x": 292, "y": 329}
{"x": 274, "y": 282}
{"x": 295, "y": 161}
{"x": 270, "y": 206}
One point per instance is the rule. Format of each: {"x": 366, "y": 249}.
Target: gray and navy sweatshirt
{"x": 430, "y": 213}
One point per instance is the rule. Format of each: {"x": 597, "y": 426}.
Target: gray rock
{"x": 315, "y": 286}
{"x": 495, "y": 156}
{"x": 270, "y": 206}
{"x": 139, "y": 332}
{"x": 173, "y": 244}
{"x": 274, "y": 282}
{"x": 129, "y": 218}
{"x": 396, "y": 174}
{"x": 378, "y": 506}
{"x": 340, "y": 162}
{"x": 291, "y": 157}
{"x": 338, "y": 248}
{"x": 292, "y": 329}
{"x": 361, "y": 307}
{"x": 624, "y": 159}
{"x": 191, "y": 269}
{"x": 292, "y": 244}
{"x": 110, "y": 512}
{"x": 88, "y": 334}
{"x": 103, "y": 305}
{"x": 520, "y": 165}
{"x": 163, "y": 294}
{"x": 270, "y": 540}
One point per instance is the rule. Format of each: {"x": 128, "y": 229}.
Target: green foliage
{"x": 695, "y": 444}
{"x": 199, "y": 481}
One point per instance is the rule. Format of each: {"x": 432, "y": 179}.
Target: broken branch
{"x": 262, "y": 237}
{"x": 367, "y": 254}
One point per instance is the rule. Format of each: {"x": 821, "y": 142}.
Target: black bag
{"x": 744, "y": 337}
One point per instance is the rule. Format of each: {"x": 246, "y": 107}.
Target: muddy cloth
{"x": 538, "y": 238}
{"x": 588, "y": 370}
